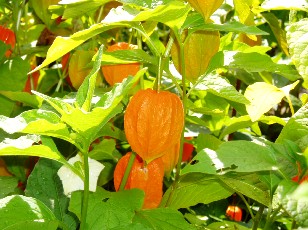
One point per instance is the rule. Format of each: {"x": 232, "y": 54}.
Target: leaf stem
{"x": 184, "y": 98}
{"x": 139, "y": 43}
{"x": 127, "y": 170}
{"x": 246, "y": 203}
{"x": 86, "y": 192}
{"x": 258, "y": 217}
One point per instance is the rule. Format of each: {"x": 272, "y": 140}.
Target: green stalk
{"x": 139, "y": 43}
{"x": 270, "y": 218}
{"x": 159, "y": 74}
{"x": 184, "y": 98}
{"x": 257, "y": 218}
{"x": 86, "y": 192}
{"x": 127, "y": 171}
{"x": 247, "y": 205}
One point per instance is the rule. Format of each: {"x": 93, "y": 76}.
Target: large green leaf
{"x": 249, "y": 185}
{"x": 26, "y": 98}
{"x": 108, "y": 210}
{"x": 297, "y": 37}
{"x": 162, "y": 218}
{"x": 18, "y": 212}
{"x": 296, "y": 129}
{"x": 221, "y": 87}
{"x": 77, "y": 9}
{"x": 194, "y": 188}
{"x": 251, "y": 62}
{"x": 13, "y": 75}
{"x": 44, "y": 185}
{"x": 40, "y": 122}
{"x": 239, "y": 156}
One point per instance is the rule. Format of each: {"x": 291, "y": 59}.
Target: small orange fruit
{"x": 32, "y": 81}
{"x": 148, "y": 178}
{"x": 234, "y": 213}
{"x": 116, "y": 73}
{"x": 8, "y": 37}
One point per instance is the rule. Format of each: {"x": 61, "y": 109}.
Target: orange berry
{"x": 153, "y": 122}
{"x": 187, "y": 150}
{"x": 234, "y": 213}
{"x": 116, "y": 73}
{"x": 32, "y": 81}
{"x": 148, "y": 178}
{"x": 8, "y": 37}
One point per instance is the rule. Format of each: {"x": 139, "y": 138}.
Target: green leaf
{"x": 207, "y": 141}
{"x": 13, "y": 75}
{"x": 234, "y": 124}
{"x": 77, "y": 9}
{"x": 296, "y": 129}
{"x": 151, "y": 4}
{"x": 227, "y": 225}
{"x": 249, "y": 185}
{"x": 239, "y": 156}
{"x": 162, "y": 218}
{"x": 279, "y": 33}
{"x": 298, "y": 45}
{"x": 18, "y": 212}
{"x": 44, "y": 185}
{"x": 284, "y": 5}
{"x": 23, "y": 146}
{"x": 194, "y": 188}
{"x": 108, "y": 209}
{"x": 104, "y": 150}
{"x": 294, "y": 200}
{"x": 39, "y": 122}
{"x": 196, "y": 22}
{"x": 8, "y": 184}
{"x": 26, "y": 98}
{"x": 251, "y": 62}
{"x": 172, "y": 14}
{"x": 262, "y": 97}
{"x": 221, "y": 87}
{"x": 86, "y": 90}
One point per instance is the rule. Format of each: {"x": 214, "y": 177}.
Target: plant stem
{"x": 139, "y": 43}
{"x": 184, "y": 98}
{"x": 127, "y": 171}
{"x": 258, "y": 217}
{"x": 86, "y": 192}
{"x": 159, "y": 74}
{"x": 270, "y": 218}
{"x": 247, "y": 205}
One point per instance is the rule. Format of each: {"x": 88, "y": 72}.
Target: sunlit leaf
{"x": 297, "y": 37}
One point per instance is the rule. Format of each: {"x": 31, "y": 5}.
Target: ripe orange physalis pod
{"x": 205, "y": 7}
{"x": 32, "y": 80}
{"x": 234, "y": 213}
{"x": 199, "y": 48}
{"x": 148, "y": 178}
{"x": 116, "y": 73}
{"x": 170, "y": 158}
{"x": 78, "y": 69}
{"x": 8, "y": 37}
{"x": 153, "y": 122}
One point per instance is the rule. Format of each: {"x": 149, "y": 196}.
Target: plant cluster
{"x": 157, "y": 114}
